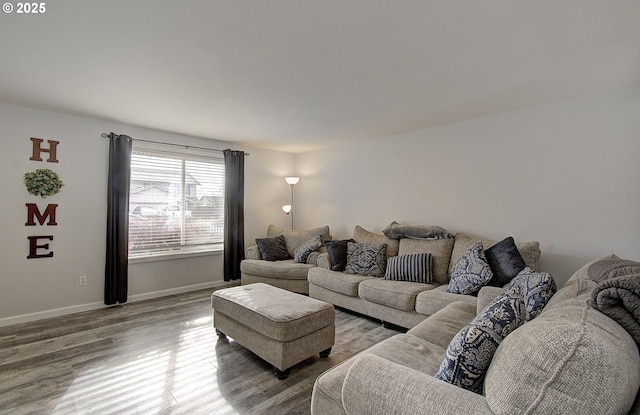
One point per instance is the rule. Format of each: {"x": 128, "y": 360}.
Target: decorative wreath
{"x": 42, "y": 182}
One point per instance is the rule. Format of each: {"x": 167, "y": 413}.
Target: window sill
{"x": 153, "y": 257}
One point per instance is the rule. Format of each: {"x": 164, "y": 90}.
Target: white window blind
{"x": 176, "y": 203}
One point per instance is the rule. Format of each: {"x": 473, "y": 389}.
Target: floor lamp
{"x": 288, "y": 209}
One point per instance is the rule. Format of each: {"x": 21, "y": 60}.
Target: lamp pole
{"x": 292, "y": 181}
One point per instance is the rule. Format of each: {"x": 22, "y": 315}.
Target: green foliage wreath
{"x": 42, "y": 182}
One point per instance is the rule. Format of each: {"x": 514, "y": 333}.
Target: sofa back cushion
{"x": 293, "y": 238}
{"x": 574, "y": 359}
{"x": 440, "y": 250}
{"x": 364, "y": 236}
{"x": 530, "y": 251}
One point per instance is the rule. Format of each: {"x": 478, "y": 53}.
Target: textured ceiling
{"x": 300, "y": 75}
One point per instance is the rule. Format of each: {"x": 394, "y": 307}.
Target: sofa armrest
{"x": 252, "y": 253}
{"x": 486, "y": 295}
{"x": 312, "y": 259}
{"x": 375, "y": 385}
{"x": 323, "y": 261}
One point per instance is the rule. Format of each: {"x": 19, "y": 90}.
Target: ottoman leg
{"x": 281, "y": 374}
{"x": 325, "y": 353}
{"x": 220, "y": 334}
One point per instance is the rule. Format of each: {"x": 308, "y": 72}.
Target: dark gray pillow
{"x": 337, "y": 251}
{"x": 505, "y": 262}
{"x": 273, "y": 249}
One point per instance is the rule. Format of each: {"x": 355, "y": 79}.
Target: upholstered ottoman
{"x": 281, "y": 327}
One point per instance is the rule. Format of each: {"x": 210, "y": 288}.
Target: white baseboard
{"x": 57, "y": 312}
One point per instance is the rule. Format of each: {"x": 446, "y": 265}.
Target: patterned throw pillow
{"x": 411, "y": 267}
{"x": 337, "y": 251}
{"x": 471, "y": 272}
{"x": 273, "y": 249}
{"x": 536, "y": 288}
{"x": 505, "y": 262}
{"x": 470, "y": 352}
{"x": 366, "y": 259}
{"x": 303, "y": 250}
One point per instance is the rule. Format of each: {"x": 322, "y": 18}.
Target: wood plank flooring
{"x": 159, "y": 356}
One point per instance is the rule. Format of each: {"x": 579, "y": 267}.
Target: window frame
{"x": 182, "y": 251}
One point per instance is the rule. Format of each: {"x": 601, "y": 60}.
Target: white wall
{"x": 36, "y": 288}
{"x": 565, "y": 174}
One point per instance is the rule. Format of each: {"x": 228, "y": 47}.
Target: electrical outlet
{"x": 83, "y": 280}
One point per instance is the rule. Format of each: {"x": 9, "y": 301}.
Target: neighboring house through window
{"x": 176, "y": 203}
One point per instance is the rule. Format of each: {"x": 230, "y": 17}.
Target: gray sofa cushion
{"x": 293, "y": 238}
{"x": 378, "y": 386}
{"x": 440, "y": 250}
{"x": 362, "y": 235}
{"x": 286, "y": 269}
{"x": 396, "y": 294}
{"x": 443, "y": 325}
{"x": 431, "y": 301}
{"x": 338, "y": 282}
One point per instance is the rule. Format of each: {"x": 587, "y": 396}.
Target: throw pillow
{"x": 471, "y": 272}
{"x": 536, "y": 288}
{"x": 505, "y": 262}
{"x": 470, "y": 352}
{"x": 273, "y": 249}
{"x": 411, "y": 267}
{"x": 366, "y": 259}
{"x": 303, "y": 250}
{"x": 337, "y": 251}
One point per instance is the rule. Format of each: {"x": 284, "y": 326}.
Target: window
{"x": 176, "y": 203}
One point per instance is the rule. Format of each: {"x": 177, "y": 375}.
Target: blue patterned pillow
{"x": 410, "y": 267}
{"x": 305, "y": 249}
{"x": 536, "y": 288}
{"x": 470, "y": 352}
{"x": 366, "y": 259}
{"x": 471, "y": 272}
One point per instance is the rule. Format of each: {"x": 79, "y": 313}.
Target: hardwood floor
{"x": 159, "y": 356}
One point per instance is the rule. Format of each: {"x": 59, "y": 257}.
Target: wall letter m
{"x": 33, "y": 213}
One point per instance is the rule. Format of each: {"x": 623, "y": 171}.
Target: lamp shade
{"x": 287, "y": 209}
{"x": 292, "y": 180}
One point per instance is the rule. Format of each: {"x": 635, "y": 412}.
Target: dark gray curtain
{"x": 233, "y": 213}
{"x": 117, "y": 263}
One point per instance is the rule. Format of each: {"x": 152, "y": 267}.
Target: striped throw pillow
{"x": 410, "y": 267}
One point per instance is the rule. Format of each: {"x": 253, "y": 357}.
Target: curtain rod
{"x": 105, "y": 135}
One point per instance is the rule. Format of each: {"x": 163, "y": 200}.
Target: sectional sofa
{"x": 570, "y": 359}
{"x": 405, "y": 303}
